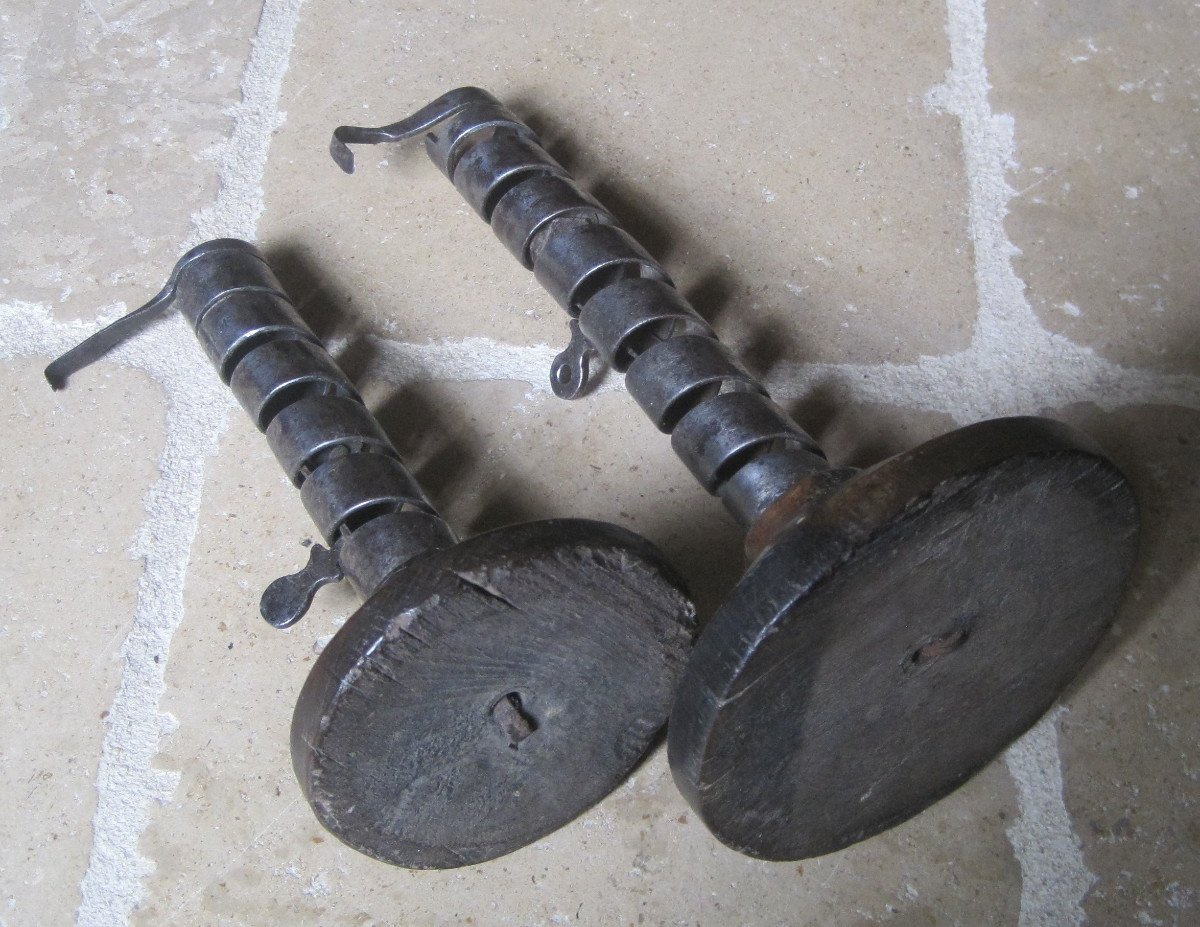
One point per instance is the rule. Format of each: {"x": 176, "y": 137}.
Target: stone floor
{"x": 905, "y": 216}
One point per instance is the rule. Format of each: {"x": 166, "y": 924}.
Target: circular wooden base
{"x": 486, "y": 695}
{"x": 891, "y": 643}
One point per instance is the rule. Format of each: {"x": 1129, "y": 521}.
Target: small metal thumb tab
{"x": 285, "y": 601}
{"x": 569, "y": 371}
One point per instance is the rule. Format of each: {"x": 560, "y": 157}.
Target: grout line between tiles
{"x": 1054, "y": 876}
{"x": 197, "y": 411}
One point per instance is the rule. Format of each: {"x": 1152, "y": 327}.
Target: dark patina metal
{"x": 488, "y": 690}
{"x": 897, "y": 627}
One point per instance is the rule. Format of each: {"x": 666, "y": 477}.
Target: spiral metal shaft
{"x": 365, "y": 504}
{"x": 738, "y": 443}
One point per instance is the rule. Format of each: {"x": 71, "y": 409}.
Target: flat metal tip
{"x": 55, "y": 376}
{"x": 340, "y": 151}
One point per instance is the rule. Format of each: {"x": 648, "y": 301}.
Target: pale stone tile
{"x": 860, "y": 434}
{"x": 108, "y": 116}
{"x": 73, "y": 469}
{"x": 110, "y": 112}
{"x": 1130, "y": 740}
{"x": 232, "y": 680}
{"x": 1104, "y": 99}
{"x": 641, "y": 857}
{"x": 781, "y": 162}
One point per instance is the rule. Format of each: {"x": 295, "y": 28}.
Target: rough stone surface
{"x": 69, "y": 586}
{"x": 906, "y": 218}
{"x": 1108, "y": 190}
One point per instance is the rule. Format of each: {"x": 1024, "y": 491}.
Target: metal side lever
{"x": 571, "y": 368}
{"x": 424, "y": 119}
{"x": 91, "y": 349}
{"x": 286, "y": 600}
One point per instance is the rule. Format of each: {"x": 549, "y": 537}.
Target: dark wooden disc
{"x": 889, "y": 645}
{"x": 486, "y": 695}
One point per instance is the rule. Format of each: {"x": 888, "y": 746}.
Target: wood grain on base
{"x": 488, "y": 694}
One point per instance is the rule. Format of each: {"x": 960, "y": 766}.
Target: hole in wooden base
{"x": 512, "y": 719}
{"x": 936, "y": 647}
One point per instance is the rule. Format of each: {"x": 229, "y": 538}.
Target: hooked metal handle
{"x": 444, "y": 107}
{"x": 91, "y": 349}
{"x": 625, "y": 310}
{"x": 94, "y": 347}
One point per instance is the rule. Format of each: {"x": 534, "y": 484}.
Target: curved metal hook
{"x": 95, "y": 347}
{"x": 444, "y": 107}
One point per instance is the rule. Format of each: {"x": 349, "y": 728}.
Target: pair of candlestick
{"x": 895, "y": 629}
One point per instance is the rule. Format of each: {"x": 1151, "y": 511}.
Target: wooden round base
{"x": 913, "y": 624}
{"x": 486, "y": 695}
